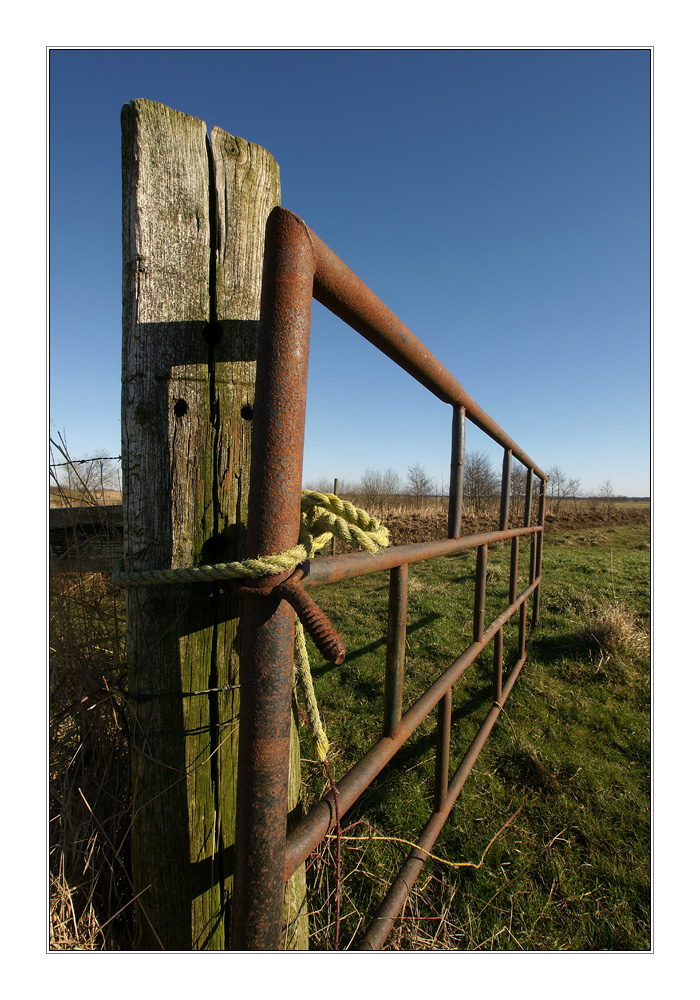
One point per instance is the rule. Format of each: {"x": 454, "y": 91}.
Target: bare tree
{"x": 518, "y": 487}
{"x": 605, "y": 492}
{"x": 319, "y": 485}
{"x": 557, "y": 485}
{"x": 376, "y": 487}
{"x": 419, "y": 484}
{"x": 393, "y": 483}
{"x": 562, "y": 487}
{"x": 573, "y": 490}
{"x": 481, "y": 483}
{"x": 324, "y": 485}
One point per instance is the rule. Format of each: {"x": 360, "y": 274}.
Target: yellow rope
{"x": 248, "y": 568}
{"x": 305, "y": 686}
{"x": 323, "y": 515}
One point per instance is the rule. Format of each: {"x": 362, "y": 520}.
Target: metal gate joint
{"x": 315, "y": 621}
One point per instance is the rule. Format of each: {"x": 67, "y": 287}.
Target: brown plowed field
{"x": 427, "y": 526}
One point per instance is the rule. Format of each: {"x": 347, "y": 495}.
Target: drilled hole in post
{"x": 180, "y": 408}
{"x": 247, "y": 411}
{"x": 212, "y": 332}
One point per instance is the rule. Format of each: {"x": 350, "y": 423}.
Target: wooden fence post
{"x": 194, "y": 214}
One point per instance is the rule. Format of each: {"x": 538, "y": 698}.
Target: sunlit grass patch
{"x": 572, "y": 748}
{"x": 568, "y": 761}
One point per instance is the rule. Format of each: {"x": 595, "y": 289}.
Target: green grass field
{"x": 568, "y": 761}
{"x": 567, "y": 765}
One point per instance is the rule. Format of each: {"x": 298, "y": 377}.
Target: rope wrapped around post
{"x": 323, "y": 516}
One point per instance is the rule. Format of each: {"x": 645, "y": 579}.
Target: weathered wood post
{"x": 194, "y": 214}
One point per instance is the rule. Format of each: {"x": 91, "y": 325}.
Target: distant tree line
{"x": 378, "y": 489}
{"x": 561, "y": 487}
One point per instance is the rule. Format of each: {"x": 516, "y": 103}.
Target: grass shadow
{"x": 372, "y": 647}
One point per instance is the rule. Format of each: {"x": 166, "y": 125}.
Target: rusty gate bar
{"x": 442, "y": 746}
{"x": 522, "y": 625}
{"x": 498, "y": 666}
{"x": 380, "y": 927}
{"x": 341, "y": 291}
{"x": 513, "y": 574}
{"x": 480, "y": 592}
{"x": 505, "y": 490}
{"x": 297, "y": 267}
{"x": 512, "y": 591}
{"x": 267, "y": 624}
{"x": 528, "y": 499}
{"x": 528, "y": 518}
{"x": 522, "y": 630}
{"x": 456, "y": 507}
{"x": 538, "y": 555}
{"x": 311, "y": 830}
{"x": 348, "y": 565}
{"x": 395, "y": 648}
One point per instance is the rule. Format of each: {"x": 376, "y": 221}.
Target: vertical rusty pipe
{"x": 380, "y": 928}
{"x": 267, "y": 625}
{"x": 528, "y": 518}
{"x": 533, "y": 540}
{"x": 522, "y": 626}
{"x": 538, "y": 555}
{"x": 522, "y": 629}
{"x": 505, "y": 490}
{"x": 541, "y": 510}
{"x": 395, "y": 648}
{"x": 480, "y": 592}
{"x": 513, "y": 577}
{"x": 454, "y": 516}
{"x": 513, "y": 590}
{"x": 528, "y": 500}
{"x": 498, "y": 666}
{"x": 533, "y": 559}
{"x": 535, "y": 603}
{"x": 311, "y": 830}
{"x": 498, "y": 643}
{"x": 442, "y": 756}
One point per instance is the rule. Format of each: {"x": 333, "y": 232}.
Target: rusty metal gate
{"x": 298, "y": 266}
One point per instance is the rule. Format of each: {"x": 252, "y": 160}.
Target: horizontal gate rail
{"x": 332, "y": 569}
{"x": 317, "y": 823}
{"x": 298, "y": 266}
{"x": 341, "y": 291}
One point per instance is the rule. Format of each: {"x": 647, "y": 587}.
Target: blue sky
{"x": 498, "y": 201}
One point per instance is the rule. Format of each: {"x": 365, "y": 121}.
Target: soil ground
{"x": 426, "y": 526}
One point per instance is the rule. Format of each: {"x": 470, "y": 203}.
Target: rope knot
{"x": 323, "y": 515}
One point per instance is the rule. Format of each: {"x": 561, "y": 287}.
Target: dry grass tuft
{"x": 426, "y": 922}
{"x": 616, "y": 632}
{"x": 67, "y": 930}
{"x": 90, "y": 889}
{"x": 609, "y": 644}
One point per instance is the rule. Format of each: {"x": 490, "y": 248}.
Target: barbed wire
{"x": 84, "y": 461}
